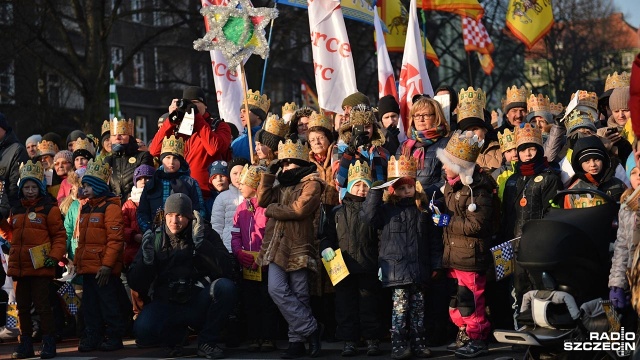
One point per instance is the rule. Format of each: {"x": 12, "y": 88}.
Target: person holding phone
{"x": 618, "y": 131}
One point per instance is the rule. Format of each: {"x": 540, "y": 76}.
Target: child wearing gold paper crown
{"x": 410, "y": 253}
{"x": 356, "y": 295}
{"x": 467, "y": 219}
{"x": 507, "y": 141}
{"x": 267, "y": 140}
{"x": 36, "y": 221}
{"x": 173, "y": 176}
{"x": 98, "y": 260}
{"x": 247, "y": 233}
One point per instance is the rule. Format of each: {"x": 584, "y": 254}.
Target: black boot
{"x": 373, "y": 347}
{"x": 24, "y": 349}
{"x": 295, "y": 350}
{"x": 89, "y": 341}
{"x": 315, "y": 342}
{"x": 350, "y": 349}
{"x": 48, "y": 350}
{"x": 461, "y": 340}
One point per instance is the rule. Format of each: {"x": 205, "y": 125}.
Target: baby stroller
{"x": 566, "y": 256}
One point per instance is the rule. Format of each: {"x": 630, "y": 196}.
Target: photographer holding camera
{"x": 210, "y": 140}
{"x": 189, "y": 274}
{"x": 360, "y": 139}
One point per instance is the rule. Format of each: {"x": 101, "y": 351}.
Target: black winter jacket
{"x": 123, "y": 164}
{"x": 538, "y": 190}
{"x": 357, "y": 240}
{"x": 179, "y": 260}
{"x": 12, "y": 154}
{"x": 409, "y": 247}
{"x": 430, "y": 176}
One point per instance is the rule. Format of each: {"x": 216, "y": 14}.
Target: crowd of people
{"x": 202, "y": 232}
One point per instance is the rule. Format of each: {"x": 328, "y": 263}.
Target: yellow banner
{"x": 336, "y": 268}
{"x": 529, "y": 20}
{"x": 469, "y": 8}
{"x": 396, "y": 17}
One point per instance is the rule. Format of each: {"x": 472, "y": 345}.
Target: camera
{"x": 184, "y": 106}
{"x": 180, "y": 290}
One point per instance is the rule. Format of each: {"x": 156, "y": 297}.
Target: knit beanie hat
{"x": 100, "y": 188}
{"x": 619, "y": 99}
{"x": 143, "y": 171}
{"x": 56, "y": 139}
{"x": 590, "y": 147}
{"x": 63, "y": 154}
{"x": 355, "y": 99}
{"x": 629, "y": 165}
{"x": 194, "y": 93}
{"x": 74, "y": 135}
{"x": 388, "y": 104}
{"x": 237, "y": 161}
{"x": 218, "y": 167}
{"x": 33, "y": 139}
{"x": 268, "y": 139}
{"x": 179, "y": 203}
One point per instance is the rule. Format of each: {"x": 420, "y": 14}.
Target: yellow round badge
{"x": 32, "y": 216}
{"x": 538, "y": 178}
{"x": 132, "y": 160}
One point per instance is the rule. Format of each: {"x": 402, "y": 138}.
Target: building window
{"x": 53, "y": 89}
{"x": 608, "y": 61}
{"x": 6, "y": 13}
{"x": 141, "y": 128}
{"x": 204, "y": 78}
{"x": 116, "y": 62}
{"x": 136, "y": 6}
{"x": 158, "y": 66}
{"x": 138, "y": 69}
{"x": 627, "y": 60}
{"x": 535, "y": 71}
{"x": 7, "y": 84}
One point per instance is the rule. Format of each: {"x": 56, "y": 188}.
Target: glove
{"x": 617, "y": 297}
{"x": 437, "y": 274}
{"x": 50, "y": 262}
{"x": 148, "y": 250}
{"x": 102, "y": 277}
{"x": 441, "y": 220}
{"x": 393, "y": 130}
{"x": 198, "y": 229}
{"x": 328, "y": 254}
{"x": 274, "y": 167}
{"x": 245, "y": 259}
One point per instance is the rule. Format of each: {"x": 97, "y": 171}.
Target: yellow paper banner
{"x": 250, "y": 274}
{"x": 336, "y": 268}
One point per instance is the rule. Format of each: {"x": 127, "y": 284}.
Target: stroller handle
{"x": 557, "y": 199}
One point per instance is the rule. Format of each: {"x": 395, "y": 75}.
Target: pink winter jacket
{"x": 248, "y": 227}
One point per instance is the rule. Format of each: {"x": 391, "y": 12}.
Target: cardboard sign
{"x": 336, "y": 268}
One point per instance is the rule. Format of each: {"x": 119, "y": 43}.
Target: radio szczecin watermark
{"x": 623, "y": 343}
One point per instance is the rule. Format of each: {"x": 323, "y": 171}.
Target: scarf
{"x": 428, "y": 136}
{"x": 453, "y": 181}
{"x": 135, "y": 194}
{"x": 534, "y": 166}
{"x": 320, "y": 159}
{"x": 293, "y": 176}
{"x": 630, "y": 199}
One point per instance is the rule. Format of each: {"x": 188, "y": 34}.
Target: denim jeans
{"x": 162, "y": 322}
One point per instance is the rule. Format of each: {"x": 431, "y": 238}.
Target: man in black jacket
{"x": 12, "y": 154}
{"x": 187, "y": 271}
{"x": 125, "y": 157}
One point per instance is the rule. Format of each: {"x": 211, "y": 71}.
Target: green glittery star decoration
{"x": 237, "y": 30}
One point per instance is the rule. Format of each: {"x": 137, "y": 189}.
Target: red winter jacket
{"x": 202, "y": 148}
{"x": 634, "y": 100}
{"x": 131, "y": 229}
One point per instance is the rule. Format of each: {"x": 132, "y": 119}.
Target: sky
{"x": 630, "y": 9}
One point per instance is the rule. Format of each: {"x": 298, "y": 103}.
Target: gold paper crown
{"x": 121, "y": 127}
{"x": 616, "y": 80}
{"x": 471, "y": 103}
{"x": 106, "y": 127}
{"x": 527, "y": 134}
{"x": 276, "y": 126}
{"x": 32, "y": 170}
{"x": 289, "y": 108}
{"x": 402, "y": 166}
{"x": 359, "y": 171}
{"x": 293, "y": 150}
{"x": 172, "y": 145}
{"x": 321, "y": 120}
{"x": 578, "y": 119}
{"x": 254, "y": 98}
{"x": 556, "y": 109}
{"x": 507, "y": 140}
{"x": 538, "y": 103}
{"x": 97, "y": 169}
{"x": 464, "y": 146}
{"x": 514, "y": 95}
{"x": 250, "y": 176}
{"x": 46, "y": 147}
{"x": 84, "y": 144}
{"x": 587, "y": 98}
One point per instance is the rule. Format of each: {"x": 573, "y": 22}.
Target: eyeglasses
{"x": 424, "y": 116}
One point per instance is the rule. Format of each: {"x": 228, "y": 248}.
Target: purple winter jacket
{"x": 249, "y": 223}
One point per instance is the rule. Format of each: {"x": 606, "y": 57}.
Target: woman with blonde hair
{"x": 428, "y": 131}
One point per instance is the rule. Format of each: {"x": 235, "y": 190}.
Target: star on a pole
{"x": 237, "y": 30}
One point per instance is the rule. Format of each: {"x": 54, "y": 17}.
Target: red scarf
{"x": 533, "y": 167}
{"x": 320, "y": 159}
